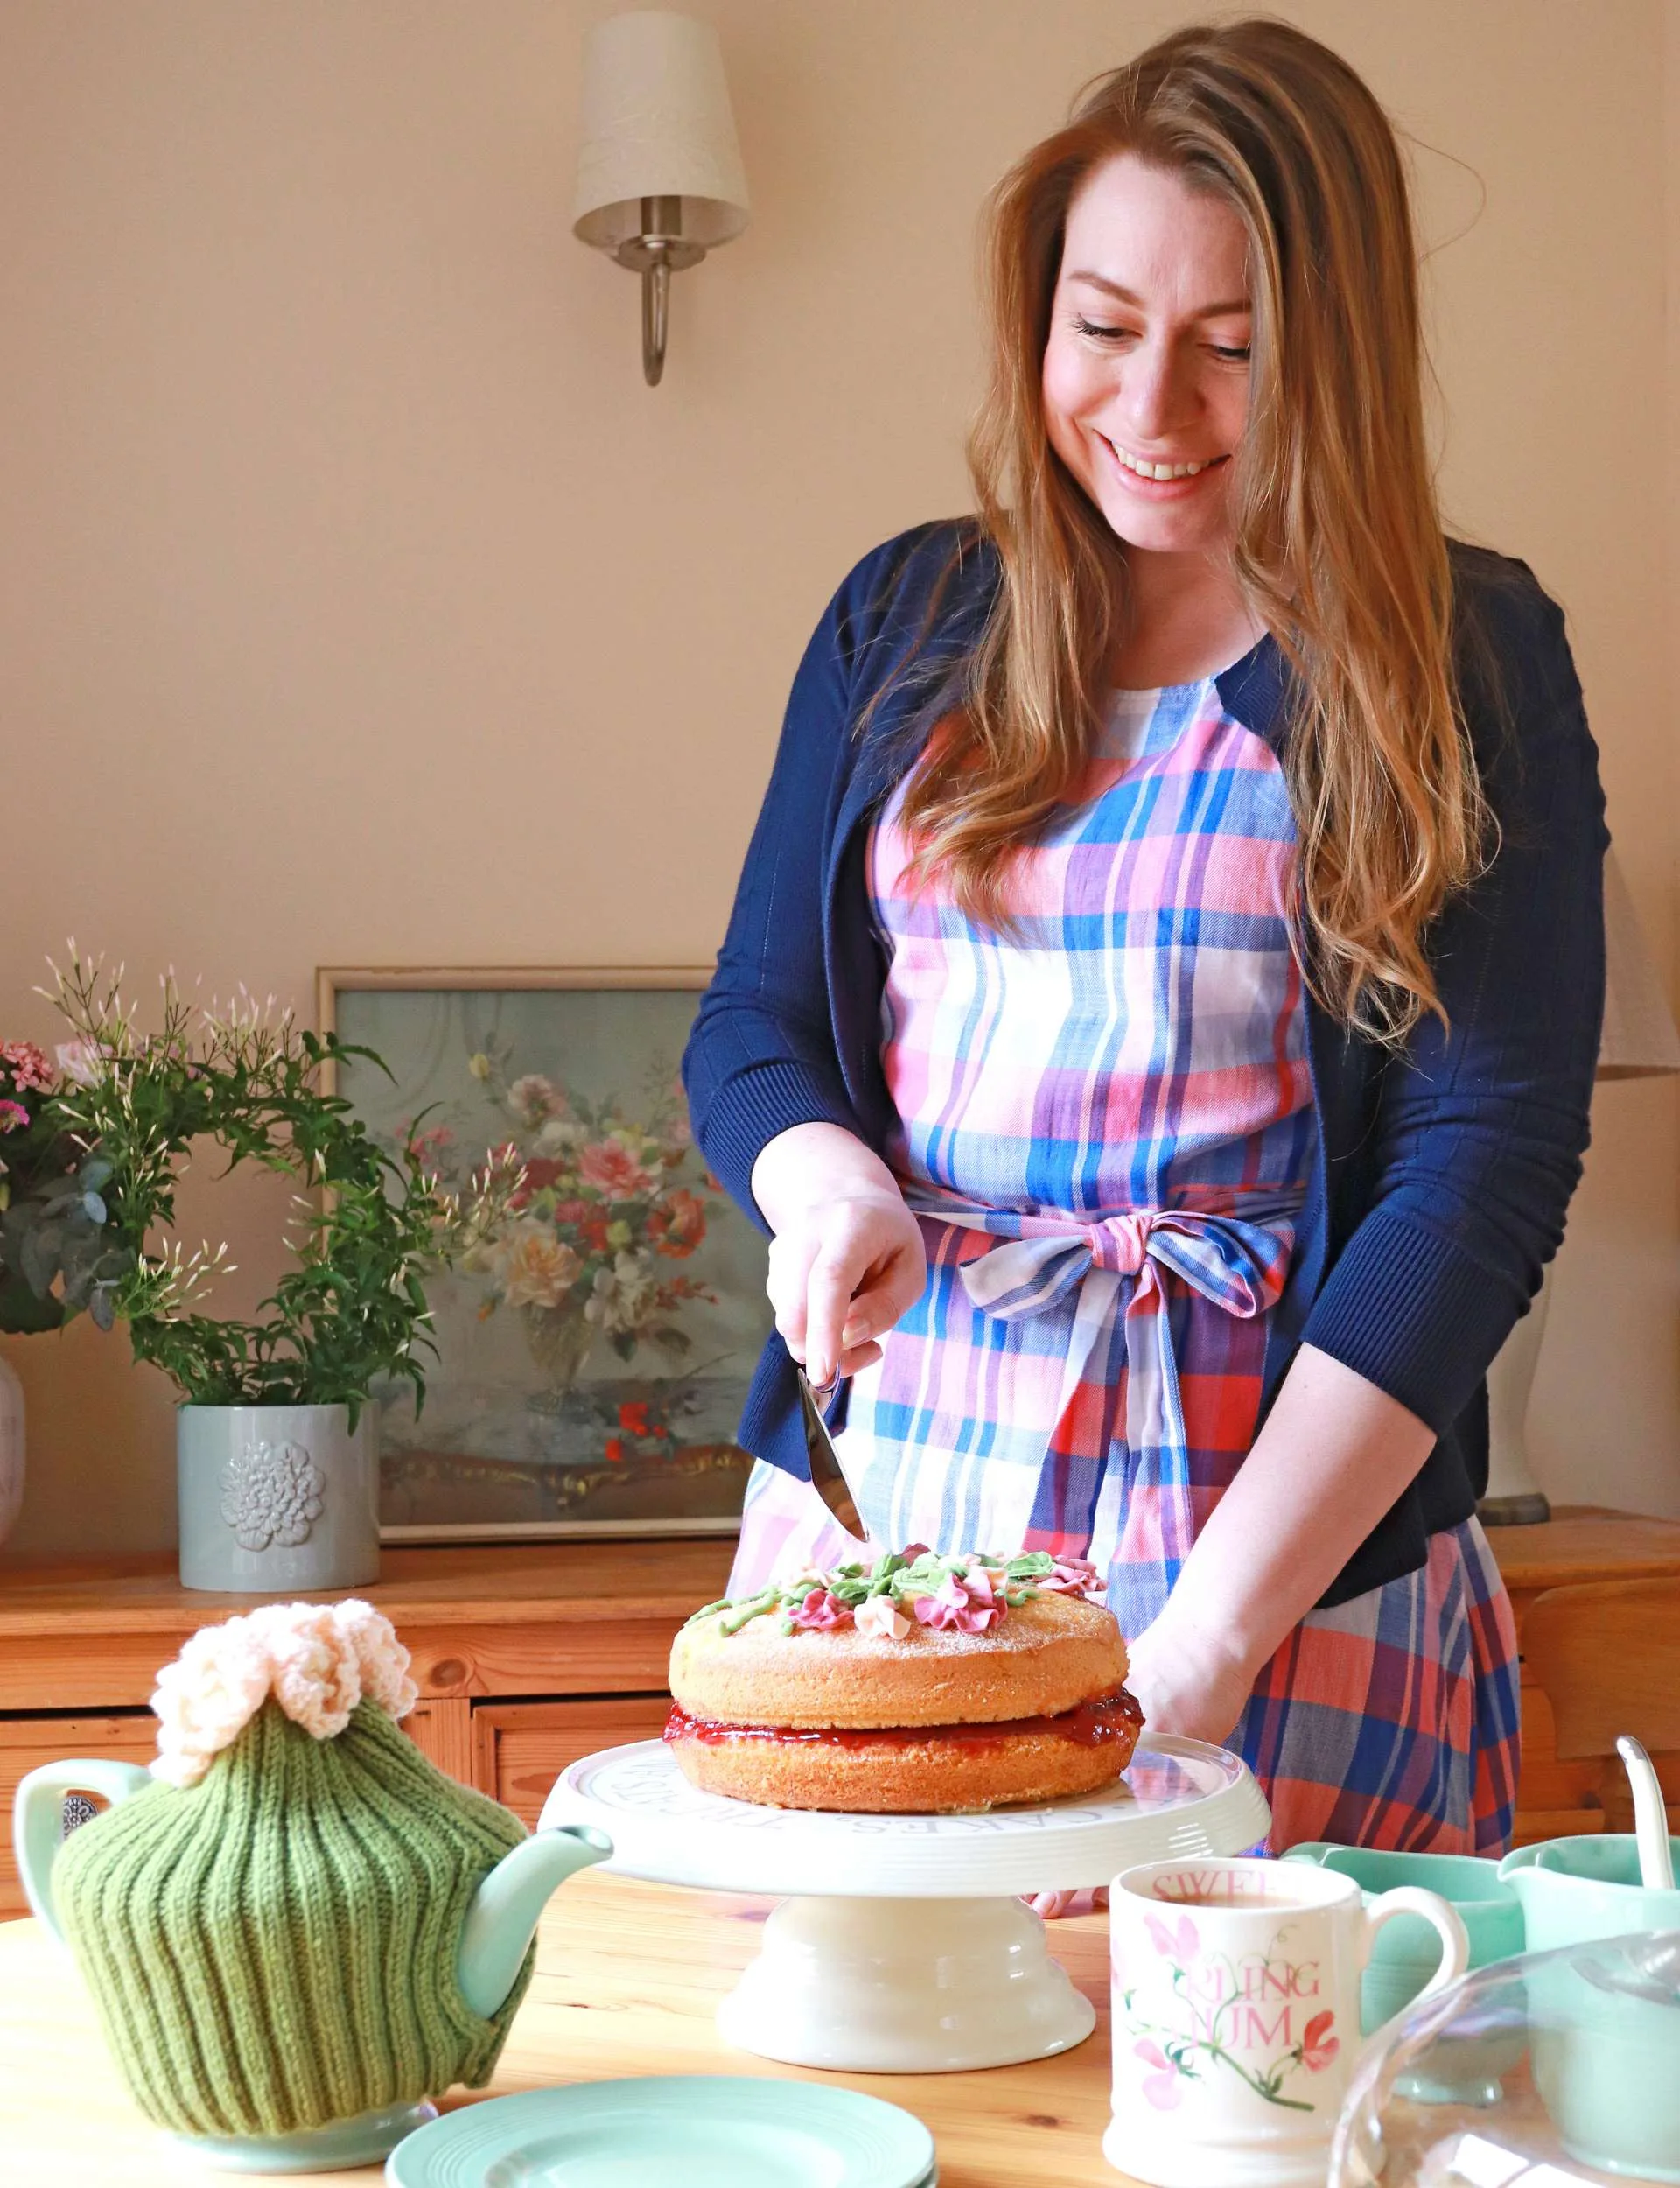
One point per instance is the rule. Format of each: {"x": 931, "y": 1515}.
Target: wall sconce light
{"x": 660, "y": 180}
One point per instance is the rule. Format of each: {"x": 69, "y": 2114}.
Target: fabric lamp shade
{"x": 657, "y": 123}
{"x": 1639, "y": 1039}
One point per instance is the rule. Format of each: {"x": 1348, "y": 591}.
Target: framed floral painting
{"x": 594, "y": 1351}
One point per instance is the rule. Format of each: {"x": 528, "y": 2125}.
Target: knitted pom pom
{"x": 317, "y": 1660}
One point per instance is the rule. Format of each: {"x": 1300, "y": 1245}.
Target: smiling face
{"x": 1145, "y": 370}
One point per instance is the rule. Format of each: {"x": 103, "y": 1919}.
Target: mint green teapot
{"x": 296, "y": 1929}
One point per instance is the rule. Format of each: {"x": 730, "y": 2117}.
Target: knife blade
{"x": 828, "y": 1476}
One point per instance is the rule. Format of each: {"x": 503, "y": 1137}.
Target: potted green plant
{"x": 58, "y": 1255}
{"x": 277, "y": 1467}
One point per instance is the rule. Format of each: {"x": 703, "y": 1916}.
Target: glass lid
{"x": 1545, "y": 2071}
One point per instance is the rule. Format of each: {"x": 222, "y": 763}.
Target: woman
{"x": 1158, "y": 1016}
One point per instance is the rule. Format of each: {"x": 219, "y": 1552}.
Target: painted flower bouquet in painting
{"x": 608, "y": 1205}
{"x": 596, "y": 1343}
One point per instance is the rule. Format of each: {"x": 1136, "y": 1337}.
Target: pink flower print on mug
{"x": 1161, "y": 2087}
{"x": 1241, "y": 2012}
{"x": 1234, "y": 1990}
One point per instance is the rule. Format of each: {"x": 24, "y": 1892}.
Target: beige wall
{"x": 358, "y": 603}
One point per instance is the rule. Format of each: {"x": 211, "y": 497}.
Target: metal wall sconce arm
{"x": 660, "y": 180}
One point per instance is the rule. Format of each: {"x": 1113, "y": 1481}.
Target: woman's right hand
{"x": 846, "y": 1257}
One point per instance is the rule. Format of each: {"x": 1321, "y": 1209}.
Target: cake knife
{"x": 828, "y": 1476}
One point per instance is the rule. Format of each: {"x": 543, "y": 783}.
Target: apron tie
{"x": 1115, "y": 1268}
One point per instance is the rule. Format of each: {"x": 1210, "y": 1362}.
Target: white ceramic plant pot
{"x": 11, "y": 1447}
{"x": 277, "y": 1499}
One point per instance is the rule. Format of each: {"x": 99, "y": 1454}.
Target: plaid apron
{"x": 1105, "y": 1129}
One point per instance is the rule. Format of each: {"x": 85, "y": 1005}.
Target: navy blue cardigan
{"x": 1442, "y": 1175}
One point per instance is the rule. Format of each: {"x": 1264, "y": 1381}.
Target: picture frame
{"x": 592, "y": 1356}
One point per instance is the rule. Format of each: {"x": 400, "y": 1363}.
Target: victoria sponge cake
{"x": 920, "y": 1684}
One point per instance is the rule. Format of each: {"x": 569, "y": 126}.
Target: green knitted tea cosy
{"x": 274, "y": 1947}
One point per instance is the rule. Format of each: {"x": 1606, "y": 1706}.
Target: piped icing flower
{"x": 963, "y": 1603}
{"x": 315, "y": 1660}
{"x": 880, "y": 1619}
{"x": 968, "y": 1594}
{"x": 1072, "y": 1576}
{"x": 820, "y": 1611}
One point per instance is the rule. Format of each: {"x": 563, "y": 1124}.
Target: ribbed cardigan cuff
{"x": 1412, "y": 1312}
{"x": 747, "y": 1111}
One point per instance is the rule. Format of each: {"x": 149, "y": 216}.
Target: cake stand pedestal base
{"x": 902, "y": 1946}
{"x": 905, "y": 1987}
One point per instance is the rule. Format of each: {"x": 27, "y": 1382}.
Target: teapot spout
{"x": 501, "y": 1920}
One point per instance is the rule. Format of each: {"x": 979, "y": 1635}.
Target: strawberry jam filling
{"x": 1092, "y": 1724}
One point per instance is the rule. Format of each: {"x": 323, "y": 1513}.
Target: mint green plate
{"x": 657, "y": 2131}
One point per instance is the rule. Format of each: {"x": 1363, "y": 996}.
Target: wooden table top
{"x": 628, "y": 1977}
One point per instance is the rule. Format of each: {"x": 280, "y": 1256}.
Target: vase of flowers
{"x": 58, "y": 1255}
{"x": 277, "y": 1471}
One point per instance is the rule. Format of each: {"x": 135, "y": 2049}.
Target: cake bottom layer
{"x": 912, "y": 1770}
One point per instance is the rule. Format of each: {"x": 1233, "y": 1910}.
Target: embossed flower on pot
{"x": 272, "y": 1492}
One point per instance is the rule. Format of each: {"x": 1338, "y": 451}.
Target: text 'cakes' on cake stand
{"x": 952, "y": 1684}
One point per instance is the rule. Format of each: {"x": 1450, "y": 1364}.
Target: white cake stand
{"x": 903, "y": 1945}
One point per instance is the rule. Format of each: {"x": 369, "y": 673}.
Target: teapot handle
{"x": 37, "y": 1819}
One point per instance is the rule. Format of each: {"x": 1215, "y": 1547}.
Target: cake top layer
{"x": 971, "y": 1593}
{"x": 910, "y": 1640}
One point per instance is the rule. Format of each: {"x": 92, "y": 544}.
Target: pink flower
{"x": 1181, "y": 1944}
{"x": 609, "y": 1166}
{"x": 820, "y": 1612}
{"x": 964, "y": 1606}
{"x": 426, "y": 1147}
{"x": 29, "y": 1069}
{"x": 534, "y": 1098}
{"x": 13, "y": 1115}
{"x": 81, "y": 1061}
{"x": 1072, "y": 1576}
{"x": 1319, "y": 2047}
{"x": 1161, "y": 2087}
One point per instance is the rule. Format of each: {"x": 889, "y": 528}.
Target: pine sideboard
{"x": 529, "y": 1656}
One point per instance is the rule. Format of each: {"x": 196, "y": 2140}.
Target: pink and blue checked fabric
{"x": 1105, "y": 1128}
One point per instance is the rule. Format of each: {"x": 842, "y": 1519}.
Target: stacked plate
{"x": 652, "y": 2131}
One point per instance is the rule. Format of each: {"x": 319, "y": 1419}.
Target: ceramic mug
{"x": 1236, "y": 2015}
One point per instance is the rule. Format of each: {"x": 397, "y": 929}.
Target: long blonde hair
{"x": 1338, "y": 546}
